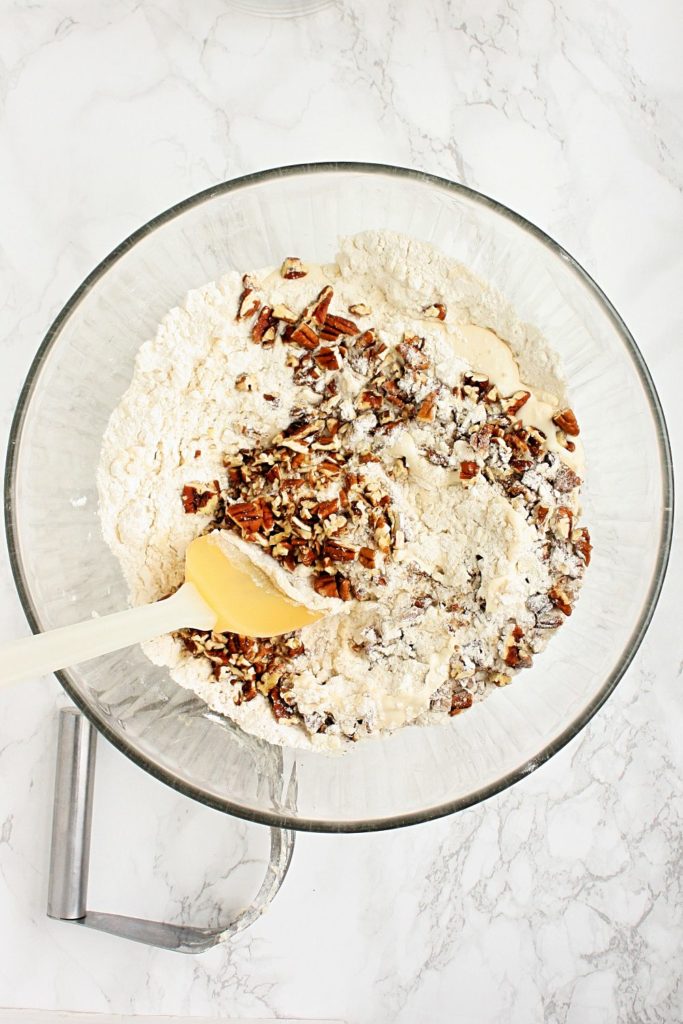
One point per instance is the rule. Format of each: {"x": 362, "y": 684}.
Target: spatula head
{"x": 244, "y": 599}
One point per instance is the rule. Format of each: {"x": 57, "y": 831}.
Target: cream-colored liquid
{"x": 488, "y": 354}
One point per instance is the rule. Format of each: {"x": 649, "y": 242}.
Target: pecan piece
{"x": 248, "y": 302}
{"x": 460, "y": 701}
{"x": 564, "y": 441}
{"x": 582, "y": 544}
{"x": 468, "y": 470}
{"x": 410, "y": 351}
{"x": 360, "y": 309}
{"x": 480, "y": 440}
{"x": 338, "y": 552}
{"x": 262, "y": 324}
{"x": 247, "y": 514}
{"x": 437, "y": 311}
{"x": 566, "y": 480}
{"x": 365, "y": 340}
{"x": 541, "y": 514}
{"x": 566, "y": 420}
{"x": 285, "y": 314}
{"x": 560, "y": 598}
{"x": 366, "y": 557}
{"x": 515, "y": 658}
{"x": 202, "y": 498}
{"x": 306, "y": 556}
{"x": 323, "y": 509}
{"x": 281, "y": 709}
{"x": 328, "y": 358}
{"x": 427, "y": 410}
{"x": 336, "y": 325}
{"x": 369, "y": 400}
{"x": 292, "y": 267}
{"x": 245, "y": 382}
{"x": 304, "y": 336}
{"x": 478, "y": 382}
{"x": 325, "y": 584}
{"x": 514, "y": 403}
{"x": 318, "y": 309}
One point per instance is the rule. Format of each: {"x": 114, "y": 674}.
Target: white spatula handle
{"x": 47, "y": 652}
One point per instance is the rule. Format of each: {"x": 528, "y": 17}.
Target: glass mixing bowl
{"x": 65, "y": 572}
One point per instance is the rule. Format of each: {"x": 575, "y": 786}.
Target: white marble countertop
{"x": 560, "y": 899}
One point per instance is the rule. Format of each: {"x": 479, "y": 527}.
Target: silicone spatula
{"x": 219, "y": 594}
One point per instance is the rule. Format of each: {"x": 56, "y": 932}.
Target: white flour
{"x": 380, "y": 662}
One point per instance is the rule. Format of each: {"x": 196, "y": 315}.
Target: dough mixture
{"x": 385, "y": 433}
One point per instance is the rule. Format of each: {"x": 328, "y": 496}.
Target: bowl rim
{"x": 285, "y": 819}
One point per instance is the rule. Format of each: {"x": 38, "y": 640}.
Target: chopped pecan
{"x": 426, "y": 413}
{"x": 281, "y": 709}
{"x": 245, "y": 382}
{"x": 328, "y": 358}
{"x": 360, "y": 309}
{"x": 261, "y": 325}
{"x": 304, "y": 336}
{"x": 248, "y": 690}
{"x": 345, "y": 591}
{"x": 318, "y": 309}
{"x": 541, "y": 514}
{"x": 285, "y": 314}
{"x": 202, "y": 498}
{"x": 560, "y": 598}
{"x": 323, "y": 509}
{"x": 337, "y": 325}
{"x": 338, "y": 552}
{"x": 410, "y": 350}
{"x": 582, "y": 543}
{"x": 437, "y": 458}
{"x": 292, "y": 268}
{"x": 480, "y": 440}
{"x": 383, "y": 535}
{"x": 514, "y": 403}
{"x": 437, "y": 311}
{"x": 478, "y": 382}
{"x": 468, "y": 470}
{"x": 460, "y": 701}
{"x": 325, "y": 584}
{"x": 566, "y": 480}
{"x": 515, "y": 658}
{"x": 367, "y": 557}
{"x": 566, "y": 420}
{"x": 369, "y": 400}
{"x": 248, "y": 302}
{"x": 247, "y": 514}
{"x": 535, "y": 441}
{"x": 364, "y": 340}
{"x": 306, "y": 556}
{"x": 564, "y": 441}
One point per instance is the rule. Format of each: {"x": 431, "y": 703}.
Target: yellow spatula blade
{"x": 245, "y": 601}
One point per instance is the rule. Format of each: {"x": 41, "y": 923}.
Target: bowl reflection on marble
{"x": 64, "y": 571}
